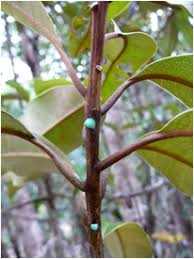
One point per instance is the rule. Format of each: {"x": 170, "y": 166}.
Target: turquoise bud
{"x": 94, "y": 227}
{"x": 90, "y": 123}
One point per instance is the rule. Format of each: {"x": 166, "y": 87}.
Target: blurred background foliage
{"x": 52, "y": 219}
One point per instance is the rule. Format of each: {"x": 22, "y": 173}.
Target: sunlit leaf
{"x": 173, "y": 157}
{"x": 41, "y": 86}
{"x": 128, "y": 241}
{"x": 167, "y": 237}
{"x": 116, "y": 8}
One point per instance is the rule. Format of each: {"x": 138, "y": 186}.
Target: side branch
{"x": 140, "y": 144}
{"x": 116, "y": 95}
{"x": 112, "y": 100}
{"x": 66, "y": 170}
{"x": 70, "y": 69}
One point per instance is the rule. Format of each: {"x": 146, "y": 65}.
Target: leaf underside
{"x": 173, "y": 74}
{"x": 173, "y": 157}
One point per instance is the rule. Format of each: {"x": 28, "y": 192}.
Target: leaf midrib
{"x": 153, "y": 76}
{"x": 125, "y": 42}
{"x": 168, "y": 154}
{"x": 72, "y": 112}
{"x": 25, "y": 154}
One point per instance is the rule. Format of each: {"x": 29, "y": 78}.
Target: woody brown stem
{"x": 140, "y": 144}
{"x": 92, "y": 109}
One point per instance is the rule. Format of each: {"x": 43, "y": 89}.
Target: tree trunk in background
{"x": 29, "y": 234}
{"x": 124, "y": 179}
{"x": 30, "y": 51}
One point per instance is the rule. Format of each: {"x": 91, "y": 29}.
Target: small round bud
{"x": 94, "y": 227}
{"x": 90, "y": 123}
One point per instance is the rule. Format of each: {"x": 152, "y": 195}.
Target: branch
{"x": 92, "y": 109}
{"x": 70, "y": 69}
{"x": 138, "y": 145}
{"x": 20, "y": 205}
{"x": 109, "y": 103}
{"x": 66, "y": 170}
{"x": 144, "y": 191}
{"x": 112, "y": 100}
{"x": 116, "y": 95}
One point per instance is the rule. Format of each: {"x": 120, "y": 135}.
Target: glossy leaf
{"x": 11, "y": 124}
{"x": 115, "y": 8}
{"x": 58, "y": 115}
{"x": 173, "y": 157}
{"x": 41, "y": 86}
{"x": 128, "y": 241}
{"x": 127, "y": 51}
{"x": 33, "y": 15}
{"x": 19, "y": 88}
{"x": 174, "y": 74}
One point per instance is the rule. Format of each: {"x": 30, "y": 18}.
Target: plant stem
{"x": 140, "y": 144}
{"x": 92, "y": 109}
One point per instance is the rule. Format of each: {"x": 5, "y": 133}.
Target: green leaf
{"x": 129, "y": 52}
{"x": 20, "y": 89}
{"x": 22, "y": 161}
{"x": 58, "y": 115}
{"x": 33, "y": 15}
{"x": 128, "y": 241}
{"x": 79, "y": 35}
{"x": 173, "y": 157}
{"x": 11, "y": 124}
{"x": 183, "y": 25}
{"x": 41, "y": 86}
{"x": 169, "y": 36}
{"x": 108, "y": 227}
{"x": 115, "y": 8}
{"x": 174, "y": 74}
